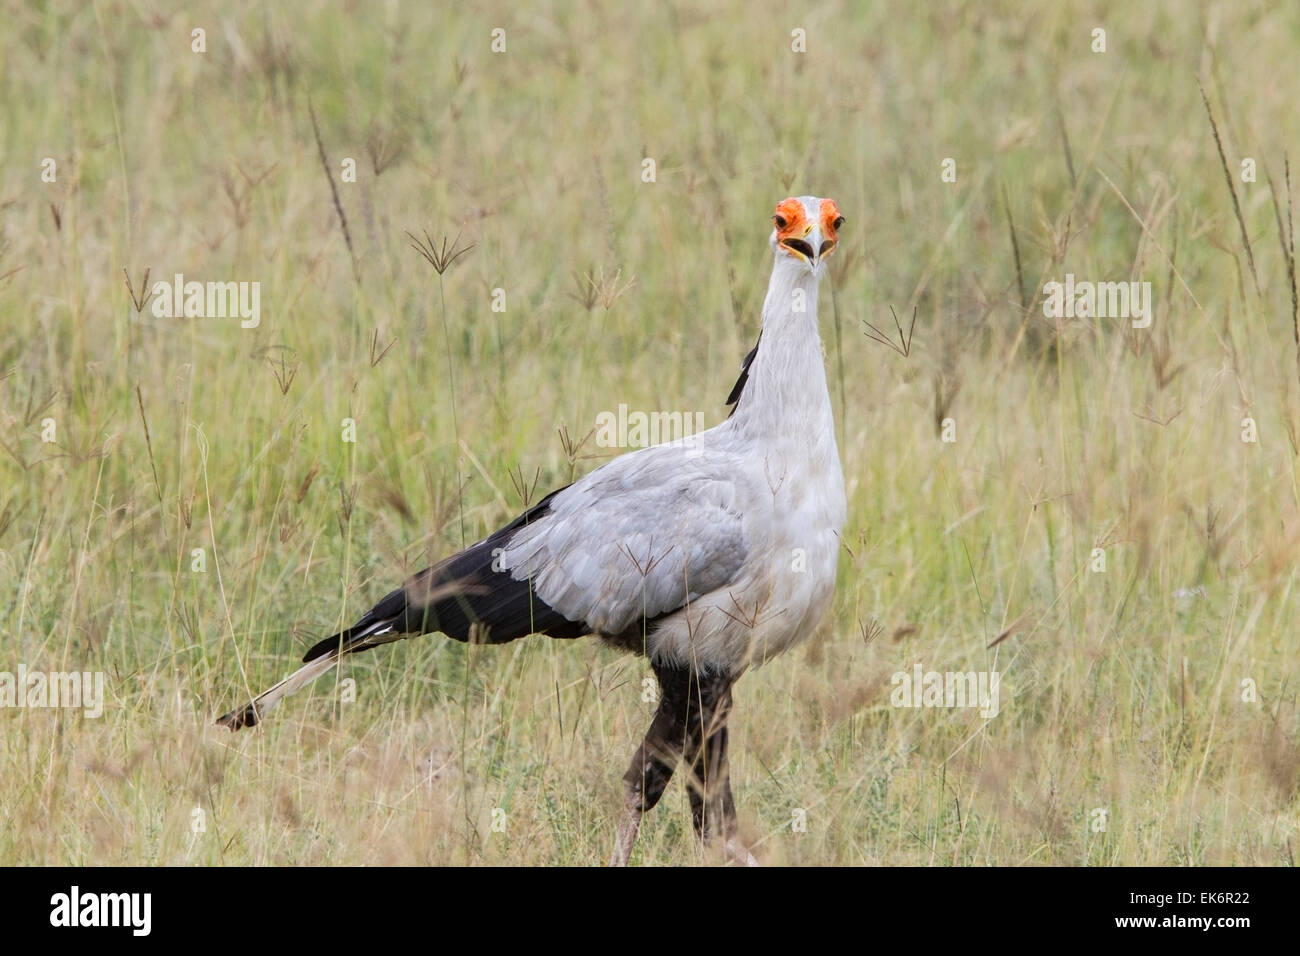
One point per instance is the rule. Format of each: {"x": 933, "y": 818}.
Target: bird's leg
{"x": 706, "y": 753}
{"x": 655, "y": 759}
{"x": 713, "y": 809}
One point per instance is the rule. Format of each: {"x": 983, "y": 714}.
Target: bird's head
{"x": 806, "y": 230}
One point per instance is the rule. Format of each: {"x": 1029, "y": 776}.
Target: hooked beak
{"x": 812, "y": 247}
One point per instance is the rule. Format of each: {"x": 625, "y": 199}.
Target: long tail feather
{"x": 463, "y": 596}
{"x": 257, "y": 708}
{"x": 324, "y": 656}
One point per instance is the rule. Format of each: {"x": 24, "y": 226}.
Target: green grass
{"x": 1117, "y": 695}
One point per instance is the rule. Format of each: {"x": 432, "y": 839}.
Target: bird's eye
{"x": 839, "y": 221}
{"x": 780, "y": 221}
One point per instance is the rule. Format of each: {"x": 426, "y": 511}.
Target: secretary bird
{"x": 707, "y": 555}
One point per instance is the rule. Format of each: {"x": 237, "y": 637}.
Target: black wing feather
{"x": 463, "y": 597}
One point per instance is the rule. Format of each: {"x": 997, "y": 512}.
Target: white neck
{"x": 785, "y": 395}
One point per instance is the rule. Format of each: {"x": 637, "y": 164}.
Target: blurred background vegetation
{"x": 1160, "y": 691}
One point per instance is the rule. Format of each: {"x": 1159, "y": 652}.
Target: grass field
{"x": 196, "y": 517}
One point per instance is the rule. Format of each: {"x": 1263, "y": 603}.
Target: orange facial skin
{"x": 793, "y": 226}
{"x": 831, "y": 219}
{"x": 796, "y": 224}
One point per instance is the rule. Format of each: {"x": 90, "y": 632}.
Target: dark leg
{"x": 656, "y": 758}
{"x": 713, "y": 809}
{"x": 705, "y": 752}
{"x": 690, "y": 723}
